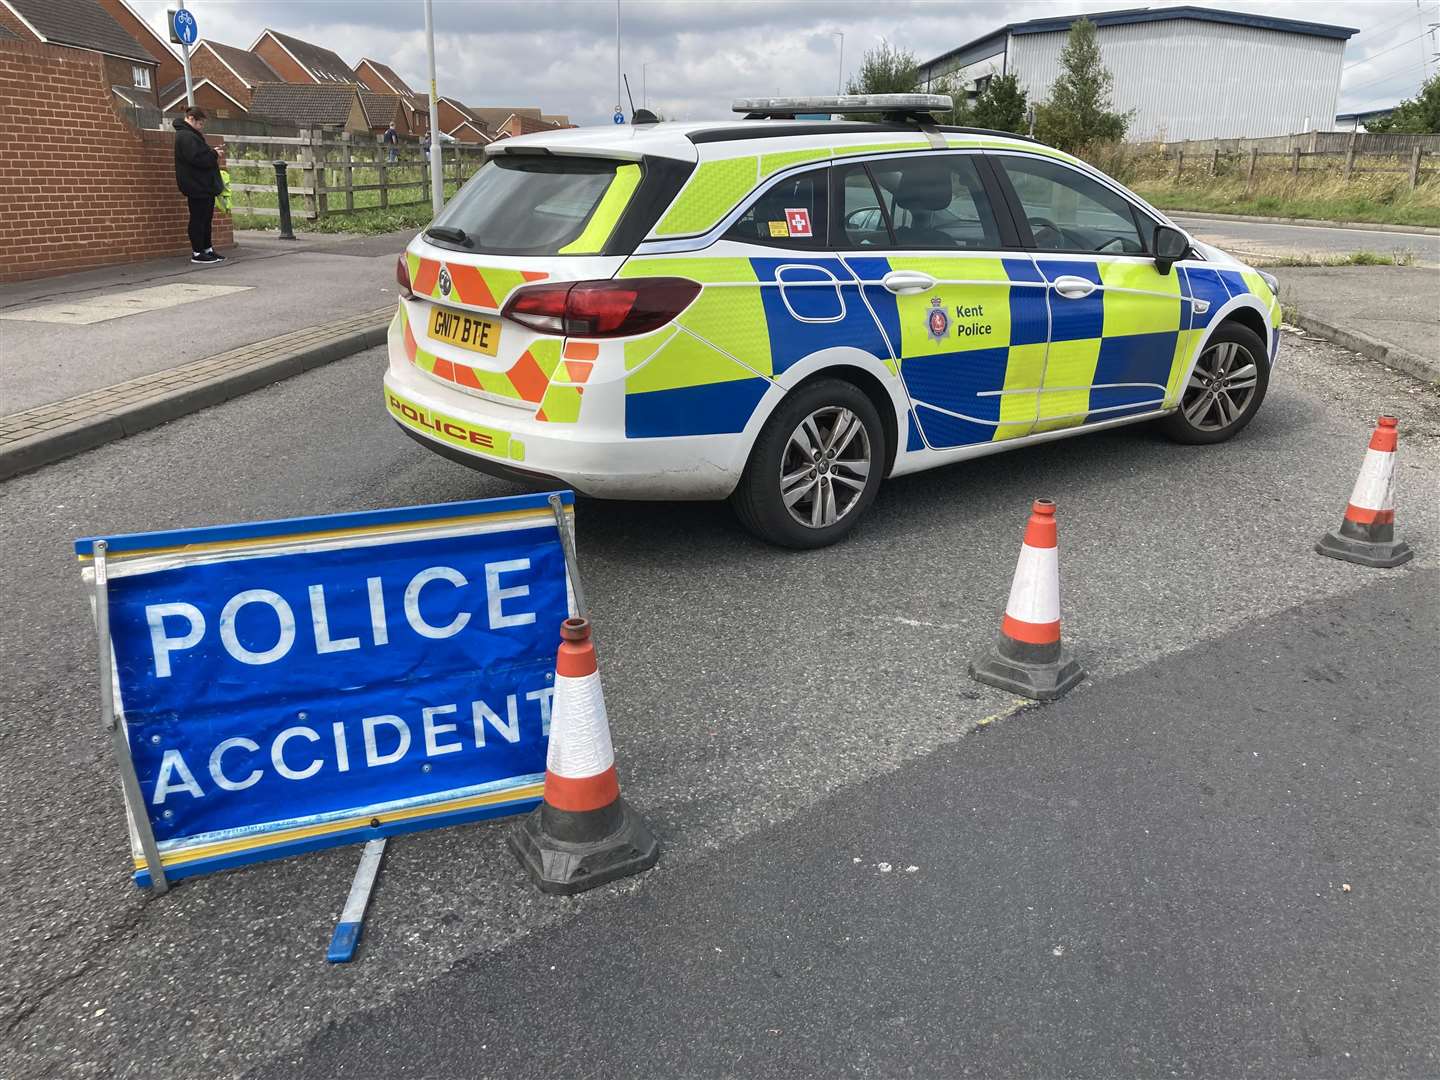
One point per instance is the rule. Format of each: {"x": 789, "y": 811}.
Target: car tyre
{"x": 1225, "y": 389}
{"x": 815, "y": 467}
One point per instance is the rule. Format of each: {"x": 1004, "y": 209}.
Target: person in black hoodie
{"x": 197, "y": 172}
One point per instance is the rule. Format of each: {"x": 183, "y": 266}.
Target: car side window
{"x": 937, "y": 201}
{"x": 792, "y": 213}
{"x": 862, "y": 222}
{"x": 1068, "y": 211}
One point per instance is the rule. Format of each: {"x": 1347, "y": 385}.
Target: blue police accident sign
{"x": 185, "y": 27}
{"x": 292, "y": 685}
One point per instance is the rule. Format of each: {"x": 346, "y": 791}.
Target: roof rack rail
{"x": 897, "y": 107}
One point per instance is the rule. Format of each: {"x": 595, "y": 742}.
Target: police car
{"x": 783, "y": 313}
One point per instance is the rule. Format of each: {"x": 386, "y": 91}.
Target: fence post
{"x": 349, "y": 167}
{"x": 1179, "y": 162}
{"x": 282, "y": 200}
{"x": 322, "y": 181}
{"x": 307, "y": 175}
{"x": 382, "y": 170}
{"x": 1350, "y": 153}
{"x": 1415, "y": 167}
{"x": 1295, "y": 161}
{"x": 1215, "y": 162}
{"x": 1250, "y": 169}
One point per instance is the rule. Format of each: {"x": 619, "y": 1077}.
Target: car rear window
{"x": 539, "y": 205}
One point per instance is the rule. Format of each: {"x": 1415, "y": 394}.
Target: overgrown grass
{"x": 1353, "y": 258}
{"x": 1320, "y": 192}
{"x": 370, "y": 221}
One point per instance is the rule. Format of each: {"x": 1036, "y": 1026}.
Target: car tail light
{"x": 599, "y": 309}
{"x": 402, "y": 278}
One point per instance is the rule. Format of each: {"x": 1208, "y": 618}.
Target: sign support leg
{"x": 119, "y": 743}
{"x": 352, "y": 919}
{"x": 572, "y": 562}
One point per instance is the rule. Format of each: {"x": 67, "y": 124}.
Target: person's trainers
{"x": 215, "y": 256}
{"x": 203, "y": 258}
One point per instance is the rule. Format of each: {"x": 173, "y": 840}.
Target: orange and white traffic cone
{"x": 583, "y": 834}
{"x": 1367, "y": 532}
{"x": 1028, "y": 657}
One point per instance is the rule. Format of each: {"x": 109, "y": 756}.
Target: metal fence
{"x": 329, "y": 173}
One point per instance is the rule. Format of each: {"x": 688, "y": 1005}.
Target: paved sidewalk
{"x": 267, "y": 287}
{"x": 1389, "y": 313}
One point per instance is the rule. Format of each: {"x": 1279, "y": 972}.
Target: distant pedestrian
{"x": 391, "y": 139}
{"x": 197, "y": 172}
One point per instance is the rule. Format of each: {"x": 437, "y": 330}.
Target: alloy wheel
{"x": 1220, "y": 387}
{"x": 825, "y": 467}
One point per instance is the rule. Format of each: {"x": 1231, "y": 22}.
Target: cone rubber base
{"x": 1365, "y": 552}
{"x": 563, "y": 867}
{"x": 1042, "y": 682}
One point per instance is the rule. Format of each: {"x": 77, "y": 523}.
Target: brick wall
{"x": 80, "y": 187}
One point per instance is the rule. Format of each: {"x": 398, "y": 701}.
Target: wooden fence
{"x": 1344, "y": 163}
{"x": 336, "y": 173}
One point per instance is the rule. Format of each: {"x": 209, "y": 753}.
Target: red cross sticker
{"x": 799, "y": 221}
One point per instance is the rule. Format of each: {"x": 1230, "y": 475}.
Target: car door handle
{"x": 1074, "y": 288}
{"x": 907, "y": 281}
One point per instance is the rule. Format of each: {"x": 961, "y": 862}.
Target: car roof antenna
{"x": 638, "y": 116}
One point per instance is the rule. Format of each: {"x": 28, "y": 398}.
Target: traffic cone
{"x": 583, "y": 834}
{"x": 1028, "y": 657}
{"x": 1367, "y": 533}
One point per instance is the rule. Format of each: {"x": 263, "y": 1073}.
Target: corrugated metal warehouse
{"x": 1187, "y": 72}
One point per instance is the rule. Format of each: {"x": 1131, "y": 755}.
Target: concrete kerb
{"x": 1390, "y": 355}
{"x": 1359, "y": 226}
{"x": 174, "y": 395}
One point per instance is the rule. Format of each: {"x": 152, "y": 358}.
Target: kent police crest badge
{"x": 445, "y": 281}
{"x": 939, "y": 320}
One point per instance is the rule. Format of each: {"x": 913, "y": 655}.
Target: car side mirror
{"x": 1170, "y": 247}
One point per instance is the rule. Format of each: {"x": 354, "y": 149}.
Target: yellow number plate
{"x": 466, "y": 331}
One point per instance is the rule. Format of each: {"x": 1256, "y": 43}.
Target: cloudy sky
{"x": 694, "y": 56}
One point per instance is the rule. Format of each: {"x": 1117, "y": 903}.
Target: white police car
{"x": 784, "y": 313}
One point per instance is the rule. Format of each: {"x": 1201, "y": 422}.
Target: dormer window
{"x": 140, "y": 76}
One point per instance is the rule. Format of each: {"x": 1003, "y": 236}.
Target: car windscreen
{"x": 527, "y": 205}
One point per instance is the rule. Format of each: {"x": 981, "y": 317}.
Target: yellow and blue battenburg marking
{"x": 992, "y": 352}
{"x": 291, "y": 685}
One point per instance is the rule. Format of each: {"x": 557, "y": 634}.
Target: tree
{"x": 1419, "y": 115}
{"x": 885, "y": 70}
{"x": 1079, "y": 111}
{"x": 954, "y": 86}
{"x": 1001, "y": 105}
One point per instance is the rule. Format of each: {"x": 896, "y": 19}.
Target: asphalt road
{"x": 746, "y": 686}
{"x": 1259, "y": 238}
{"x": 1149, "y": 879}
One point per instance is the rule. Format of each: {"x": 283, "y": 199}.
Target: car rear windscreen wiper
{"x": 445, "y": 232}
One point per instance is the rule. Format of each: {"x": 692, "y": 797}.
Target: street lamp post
{"x": 840, "y": 74}
{"x": 437, "y": 164}
{"x": 645, "y": 84}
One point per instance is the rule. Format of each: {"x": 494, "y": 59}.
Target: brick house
{"x": 523, "y": 124}
{"x": 334, "y": 107}
{"x": 130, "y": 68}
{"x": 168, "y": 68}
{"x": 383, "y": 79}
{"x": 382, "y": 110}
{"x": 231, "y": 70}
{"x": 209, "y": 95}
{"x": 470, "y": 132}
{"x": 452, "y": 115}
{"x": 297, "y": 61}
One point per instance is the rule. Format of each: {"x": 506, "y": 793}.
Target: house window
{"x": 141, "y": 76}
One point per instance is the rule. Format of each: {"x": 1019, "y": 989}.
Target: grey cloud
{"x": 560, "y": 54}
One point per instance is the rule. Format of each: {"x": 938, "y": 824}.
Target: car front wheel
{"x": 815, "y": 468}
{"x": 1224, "y": 390}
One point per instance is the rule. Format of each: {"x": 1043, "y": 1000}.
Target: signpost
{"x": 285, "y": 686}
{"x": 184, "y": 31}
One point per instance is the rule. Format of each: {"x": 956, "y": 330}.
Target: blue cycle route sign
{"x": 185, "y": 27}
{"x": 619, "y": 117}
{"x": 291, "y": 685}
